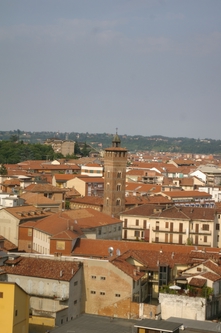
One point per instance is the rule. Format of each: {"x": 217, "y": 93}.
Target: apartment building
{"x": 65, "y": 147}
{"x": 92, "y": 170}
{"x": 173, "y": 225}
{"x": 11, "y": 218}
{"x": 54, "y": 286}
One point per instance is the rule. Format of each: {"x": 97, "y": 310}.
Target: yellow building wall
{"x": 6, "y": 306}
{"x": 14, "y": 308}
{"x": 42, "y": 321}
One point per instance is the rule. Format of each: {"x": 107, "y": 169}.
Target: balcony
{"x": 168, "y": 231}
{"x": 201, "y": 232}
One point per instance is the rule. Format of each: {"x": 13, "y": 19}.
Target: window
{"x": 107, "y": 201}
{"x": 29, "y": 245}
{"x": 117, "y": 295}
{"x": 60, "y": 245}
{"x": 103, "y": 278}
{"x": 75, "y": 283}
{"x": 119, "y": 174}
{"x": 102, "y": 293}
{"x": 118, "y": 187}
{"x": 144, "y": 224}
{"x": 119, "y": 228}
{"x": 118, "y": 202}
{"x": 205, "y": 239}
{"x": 125, "y": 223}
{"x": 137, "y": 222}
{"x": 93, "y": 277}
{"x": 217, "y": 226}
{"x": 1, "y": 294}
{"x": 93, "y": 292}
{"x": 99, "y": 231}
{"x": 16, "y": 313}
{"x": 137, "y": 233}
{"x": 163, "y": 275}
{"x": 166, "y": 224}
{"x": 29, "y": 232}
{"x": 75, "y": 302}
{"x": 205, "y": 227}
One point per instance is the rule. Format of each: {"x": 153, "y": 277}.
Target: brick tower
{"x": 115, "y": 161}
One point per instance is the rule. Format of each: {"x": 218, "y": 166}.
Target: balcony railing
{"x": 167, "y": 230}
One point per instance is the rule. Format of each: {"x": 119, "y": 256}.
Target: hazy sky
{"x": 148, "y": 67}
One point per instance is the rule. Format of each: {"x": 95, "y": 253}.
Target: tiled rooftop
{"x": 44, "y": 268}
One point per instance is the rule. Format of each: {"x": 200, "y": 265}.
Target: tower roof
{"x": 116, "y": 141}
{"x": 116, "y": 144}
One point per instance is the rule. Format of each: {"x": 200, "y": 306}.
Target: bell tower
{"x": 115, "y": 161}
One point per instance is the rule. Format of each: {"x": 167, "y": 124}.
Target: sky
{"x": 145, "y": 67}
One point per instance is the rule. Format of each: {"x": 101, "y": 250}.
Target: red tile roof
{"x": 197, "y": 282}
{"x": 27, "y": 212}
{"x": 37, "y": 199}
{"x": 99, "y": 247}
{"x": 187, "y": 213}
{"x": 43, "y": 188}
{"x": 44, "y": 268}
{"x": 57, "y": 223}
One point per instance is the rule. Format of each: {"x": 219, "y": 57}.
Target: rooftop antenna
{"x": 118, "y": 252}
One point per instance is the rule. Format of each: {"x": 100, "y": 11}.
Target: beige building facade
{"x": 173, "y": 225}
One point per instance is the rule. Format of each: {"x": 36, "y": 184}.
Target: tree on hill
{"x": 3, "y": 170}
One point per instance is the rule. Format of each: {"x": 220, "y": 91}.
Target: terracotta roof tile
{"x": 37, "y": 199}
{"x": 57, "y": 223}
{"x": 43, "y": 188}
{"x": 195, "y": 213}
{"x": 27, "y": 212}
{"x": 44, "y": 268}
{"x": 197, "y": 282}
{"x": 92, "y": 200}
{"x": 64, "y": 177}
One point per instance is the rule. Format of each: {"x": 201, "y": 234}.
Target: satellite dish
{"x": 111, "y": 250}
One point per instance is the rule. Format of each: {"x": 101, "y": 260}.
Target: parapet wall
{"x": 182, "y": 307}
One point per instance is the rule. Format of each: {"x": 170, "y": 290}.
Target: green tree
{"x": 77, "y": 150}
{"x": 85, "y": 151}
{"x": 3, "y": 170}
{"x": 14, "y": 138}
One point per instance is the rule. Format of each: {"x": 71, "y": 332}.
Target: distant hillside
{"x": 132, "y": 143}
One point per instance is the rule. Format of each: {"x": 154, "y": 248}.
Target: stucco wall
{"x": 9, "y": 226}
{"x": 182, "y": 307}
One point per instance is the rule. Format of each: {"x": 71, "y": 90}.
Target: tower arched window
{"x": 119, "y": 174}
{"x": 118, "y": 202}
{"x": 118, "y": 187}
{"x": 107, "y": 201}
{"x": 108, "y": 186}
